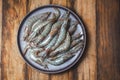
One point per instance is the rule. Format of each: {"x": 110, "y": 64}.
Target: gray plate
{"x": 52, "y": 69}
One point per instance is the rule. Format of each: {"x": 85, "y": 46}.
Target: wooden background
{"x": 101, "y": 59}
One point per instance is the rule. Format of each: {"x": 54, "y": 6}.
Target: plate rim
{"x": 68, "y": 66}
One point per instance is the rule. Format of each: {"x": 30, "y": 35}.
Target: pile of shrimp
{"x": 51, "y": 38}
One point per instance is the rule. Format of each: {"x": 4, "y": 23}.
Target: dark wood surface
{"x": 101, "y": 59}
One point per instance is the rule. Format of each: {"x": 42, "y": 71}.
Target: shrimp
{"x": 31, "y": 21}
{"x": 60, "y": 60}
{"x": 61, "y": 34}
{"x": 73, "y": 28}
{"x": 54, "y": 30}
{"x": 76, "y": 36}
{"x": 47, "y": 48}
{"x": 31, "y": 46}
{"x": 63, "y": 47}
{"x": 52, "y": 42}
{"x": 40, "y": 25}
{"x": 72, "y": 50}
{"x": 45, "y": 32}
{"x": 38, "y": 60}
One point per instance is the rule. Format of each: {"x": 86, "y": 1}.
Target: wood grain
{"x": 101, "y": 59}
{"x": 32, "y": 73}
{"x": 13, "y": 67}
{"x": 0, "y": 33}
{"x": 87, "y": 69}
{"x": 108, "y": 39}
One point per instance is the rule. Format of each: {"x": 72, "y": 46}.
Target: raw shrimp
{"x": 48, "y": 47}
{"x": 31, "y": 21}
{"x": 63, "y": 47}
{"x": 62, "y": 34}
{"x": 72, "y": 50}
{"x": 60, "y": 60}
{"x": 31, "y": 46}
{"x": 54, "y": 30}
{"x": 40, "y": 25}
{"x": 45, "y": 32}
{"x": 38, "y": 60}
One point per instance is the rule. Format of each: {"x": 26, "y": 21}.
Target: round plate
{"x": 52, "y": 69}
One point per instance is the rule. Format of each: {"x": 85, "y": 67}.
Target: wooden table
{"x": 101, "y": 59}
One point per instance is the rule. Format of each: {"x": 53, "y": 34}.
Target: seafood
{"x": 39, "y": 26}
{"x": 37, "y": 59}
{"x": 72, "y": 50}
{"x": 61, "y": 34}
{"x": 63, "y": 47}
{"x": 60, "y": 60}
{"x": 45, "y": 32}
{"x": 31, "y": 46}
{"x": 54, "y": 30}
{"x": 48, "y": 47}
{"x": 53, "y": 41}
{"x": 52, "y": 38}
{"x": 31, "y": 21}
{"x": 73, "y": 28}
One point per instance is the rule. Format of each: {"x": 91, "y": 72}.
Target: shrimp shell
{"x": 54, "y": 30}
{"x": 63, "y": 47}
{"x": 38, "y": 60}
{"x": 48, "y": 47}
{"x": 61, "y": 34}
{"x": 40, "y": 25}
{"x": 70, "y": 51}
{"x": 31, "y": 21}
{"x": 60, "y": 60}
{"x": 45, "y": 32}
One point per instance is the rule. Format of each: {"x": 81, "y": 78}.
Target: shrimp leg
{"x": 60, "y": 60}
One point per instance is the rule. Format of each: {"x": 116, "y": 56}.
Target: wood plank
{"x": 13, "y": 67}
{"x": 0, "y": 34}
{"x": 108, "y": 39}
{"x": 32, "y": 73}
{"x": 59, "y": 2}
{"x": 32, "y": 4}
{"x": 88, "y": 65}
